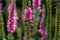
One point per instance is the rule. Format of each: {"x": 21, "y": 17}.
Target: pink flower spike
{"x": 27, "y": 14}
{"x": 12, "y": 18}
{"x": 24, "y": 38}
{"x": 42, "y": 30}
{"x": 36, "y": 3}
{"x": 43, "y": 33}
{"x": 42, "y": 24}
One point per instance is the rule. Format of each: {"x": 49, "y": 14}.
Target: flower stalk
{"x": 27, "y": 17}
{"x": 12, "y": 18}
{"x": 42, "y": 29}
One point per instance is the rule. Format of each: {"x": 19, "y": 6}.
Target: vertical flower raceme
{"x": 12, "y": 18}
{"x": 42, "y": 30}
{"x": 36, "y": 4}
{"x": 27, "y": 14}
{"x": 39, "y": 10}
{"x": 27, "y": 17}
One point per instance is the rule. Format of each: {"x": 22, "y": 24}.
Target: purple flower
{"x": 12, "y": 18}
{"x": 43, "y": 33}
{"x": 27, "y": 14}
{"x": 42, "y": 30}
{"x": 36, "y": 3}
{"x": 24, "y": 37}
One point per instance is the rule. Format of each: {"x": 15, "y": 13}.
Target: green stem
{"x": 2, "y": 37}
{"x": 49, "y": 18}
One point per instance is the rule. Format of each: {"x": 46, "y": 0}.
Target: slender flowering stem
{"x": 42, "y": 30}
{"x": 36, "y": 4}
{"x": 39, "y": 13}
{"x": 27, "y": 17}
{"x": 27, "y": 14}
{"x": 1, "y": 22}
{"x": 12, "y": 18}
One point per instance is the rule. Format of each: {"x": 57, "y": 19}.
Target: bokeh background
{"x": 52, "y": 21}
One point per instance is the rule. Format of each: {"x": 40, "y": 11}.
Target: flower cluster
{"x": 27, "y": 14}
{"x": 12, "y": 18}
{"x": 27, "y": 17}
{"x": 42, "y": 30}
{"x": 36, "y": 3}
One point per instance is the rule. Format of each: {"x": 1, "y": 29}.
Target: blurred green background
{"x": 52, "y": 21}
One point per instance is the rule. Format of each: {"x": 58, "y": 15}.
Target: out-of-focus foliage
{"x": 52, "y": 23}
